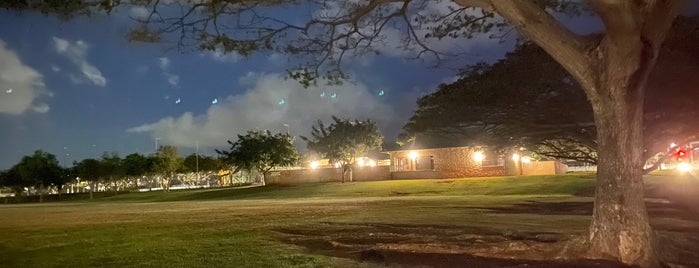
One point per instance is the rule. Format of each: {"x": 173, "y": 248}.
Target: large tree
{"x": 260, "y": 151}
{"x": 612, "y": 68}
{"x": 344, "y": 141}
{"x": 525, "y": 99}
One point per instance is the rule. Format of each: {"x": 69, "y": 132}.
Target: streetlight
{"x": 156, "y": 144}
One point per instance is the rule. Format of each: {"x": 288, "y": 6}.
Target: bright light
{"x": 412, "y": 154}
{"x": 360, "y": 161}
{"x": 372, "y": 163}
{"x": 684, "y": 167}
{"x": 526, "y": 159}
{"x": 314, "y": 164}
{"x": 478, "y": 156}
{"x": 337, "y": 164}
{"x": 515, "y": 157}
{"x": 672, "y": 145}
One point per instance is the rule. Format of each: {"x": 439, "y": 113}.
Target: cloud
{"x": 41, "y": 108}
{"x": 139, "y": 12}
{"x": 220, "y": 55}
{"x": 164, "y": 64}
{"x": 259, "y": 108}
{"x": 76, "y": 53}
{"x": 55, "y": 68}
{"x": 20, "y": 85}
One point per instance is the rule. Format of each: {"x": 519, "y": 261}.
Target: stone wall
{"x": 455, "y": 162}
{"x": 544, "y": 168}
{"x": 298, "y": 176}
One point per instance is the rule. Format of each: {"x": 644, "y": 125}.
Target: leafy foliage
{"x": 344, "y": 141}
{"x": 528, "y": 99}
{"x": 167, "y": 162}
{"x": 260, "y": 151}
{"x": 205, "y": 163}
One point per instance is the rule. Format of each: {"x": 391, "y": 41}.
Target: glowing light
{"x": 672, "y": 145}
{"x": 478, "y": 156}
{"x": 515, "y": 157}
{"x": 372, "y": 163}
{"x": 334, "y": 95}
{"x": 381, "y": 93}
{"x": 178, "y": 101}
{"x": 322, "y": 95}
{"x": 337, "y": 164}
{"x": 314, "y": 164}
{"x": 360, "y": 161}
{"x": 8, "y": 91}
{"x": 412, "y": 154}
{"x": 214, "y": 101}
{"x": 684, "y": 167}
{"x": 526, "y": 159}
{"x": 282, "y": 101}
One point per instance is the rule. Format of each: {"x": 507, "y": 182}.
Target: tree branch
{"x": 566, "y": 47}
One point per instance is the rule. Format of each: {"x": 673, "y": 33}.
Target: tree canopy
{"x": 344, "y": 141}
{"x": 528, "y": 99}
{"x": 260, "y": 151}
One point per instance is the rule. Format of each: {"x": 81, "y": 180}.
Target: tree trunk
{"x": 344, "y": 171}
{"x": 620, "y": 228}
{"x": 41, "y": 193}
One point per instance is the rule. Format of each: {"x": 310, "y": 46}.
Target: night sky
{"x": 77, "y": 88}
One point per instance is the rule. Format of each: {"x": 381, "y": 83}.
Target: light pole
{"x": 287, "y": 128}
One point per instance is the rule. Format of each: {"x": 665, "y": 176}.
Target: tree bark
{"x": 620, "y": 228}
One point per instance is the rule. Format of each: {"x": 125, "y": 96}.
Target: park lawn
{"x": 312, "y": 225}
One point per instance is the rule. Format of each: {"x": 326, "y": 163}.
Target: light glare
{"x": 478, "y": 156}
{"x": 684, "y": 167}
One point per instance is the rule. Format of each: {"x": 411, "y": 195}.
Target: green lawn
{"x": 312, "y": 225}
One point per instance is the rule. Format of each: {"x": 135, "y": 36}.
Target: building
{"x": 460, "y": 162}
{"x": 435, "y": 163}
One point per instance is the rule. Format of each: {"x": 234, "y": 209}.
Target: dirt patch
{"x": 435, "y": 246}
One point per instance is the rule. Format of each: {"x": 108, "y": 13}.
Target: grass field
{"x": 473, "y": 222}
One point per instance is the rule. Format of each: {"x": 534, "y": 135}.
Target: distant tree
{"x": 114, "y": 170}
{"x": 166, "y": 163}
{"x": 203, "y": 163}
{"x": 90, "y": 170}
{"x": 40, "y": 170}
{"x": 344, "y": 141}
{"x": 260, "y": 151}
{"x": 135, "y": 165}
{"x": 12, "y": 179}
